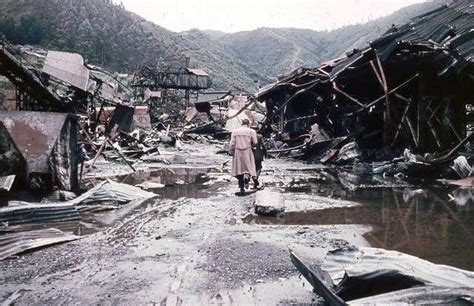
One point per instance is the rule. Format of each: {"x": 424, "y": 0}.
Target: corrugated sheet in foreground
{"x": 353, "y": 261}
{"x": 17, "y": 243}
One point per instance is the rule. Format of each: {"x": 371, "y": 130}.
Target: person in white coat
{"x": 241, "y": 145}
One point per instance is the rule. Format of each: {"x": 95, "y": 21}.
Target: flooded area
{"x": 433, "y": 223}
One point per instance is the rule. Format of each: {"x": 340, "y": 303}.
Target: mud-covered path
{"x": 185, "y": 251}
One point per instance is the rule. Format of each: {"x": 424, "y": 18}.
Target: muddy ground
{"x": 199, "y": 243}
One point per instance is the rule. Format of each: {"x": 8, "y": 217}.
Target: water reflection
{"x": 434, "y": 224}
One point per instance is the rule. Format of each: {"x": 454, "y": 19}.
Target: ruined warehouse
{"x": 407, "y": 89}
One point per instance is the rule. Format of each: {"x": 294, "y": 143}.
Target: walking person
{"x": 242, "y": 141}
{"x": 259, "y": 152}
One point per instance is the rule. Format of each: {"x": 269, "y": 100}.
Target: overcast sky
{"x": 242, "y": 15}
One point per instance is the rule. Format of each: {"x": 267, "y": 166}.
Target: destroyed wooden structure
{"x": 31, "y": 91}
{"x": 407, "y": 89}
{"x": 59, "y": 82}
{"x": 180, "y": 78}
{"x": 164, "y": 88}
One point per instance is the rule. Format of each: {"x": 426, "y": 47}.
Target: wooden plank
{"x": 334, "y": 86}
{"x": 405, "y": 113}
{"x": 412, "y": 130}
{"x": 367, "y": 106}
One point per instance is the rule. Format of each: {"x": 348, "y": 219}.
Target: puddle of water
{"x": 179, "y": 182}
{"x": 167, "y": 176}
{"x": 434, "y": 224}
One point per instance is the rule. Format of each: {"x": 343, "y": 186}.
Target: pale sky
{"x": 243, "y": 15}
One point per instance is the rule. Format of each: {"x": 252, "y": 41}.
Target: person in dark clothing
{"x": 259, "y": 152}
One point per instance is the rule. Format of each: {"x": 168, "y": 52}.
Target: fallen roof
{"x": 449, "y": 27}
{"x": 353, "y": 275}
{"x": 67, "y": 67}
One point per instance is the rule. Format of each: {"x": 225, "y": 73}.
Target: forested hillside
{"x": 108, "y": 35}
{"x": 272, "y": 51}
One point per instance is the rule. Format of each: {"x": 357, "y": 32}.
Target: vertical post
{"x": 387, "y": 118}
{"x": 426, "y": 84}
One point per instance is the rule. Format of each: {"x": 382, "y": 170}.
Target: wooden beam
{"x": 376, "y": 73}
{"x": 435, "y": 134}
{"x": 334, "y": 86}
{"x": 412, "y": 130}
{"x": 405, "y": 113}
{"x": 367, "y": 106}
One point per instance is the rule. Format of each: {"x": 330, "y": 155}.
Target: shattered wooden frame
{"x": 414, "y": 106}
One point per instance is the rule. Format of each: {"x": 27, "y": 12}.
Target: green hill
{"x": 108, "y": 35}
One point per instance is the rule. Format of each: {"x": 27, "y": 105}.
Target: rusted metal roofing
{"x": 67, "y": 67}
{"x": 34, "y": 134}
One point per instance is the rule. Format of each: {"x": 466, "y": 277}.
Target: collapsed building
{"x": 55, "y": 94}
{"x": 407, "y": 89}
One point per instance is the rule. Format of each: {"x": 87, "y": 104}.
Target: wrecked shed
{"x": 407, "y": 89}
{"x": 183, "y": 78}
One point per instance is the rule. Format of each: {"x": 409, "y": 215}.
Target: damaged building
{"x": 49, "y": 94}
{"x": 407, "y": 89}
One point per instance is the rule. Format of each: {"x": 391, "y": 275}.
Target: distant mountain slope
{"x": 273, "y": 51}
{"x": 106, "y": 34}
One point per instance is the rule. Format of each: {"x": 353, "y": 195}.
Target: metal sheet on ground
{"x": 17, "y": 243}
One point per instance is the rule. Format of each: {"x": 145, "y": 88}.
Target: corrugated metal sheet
{"x": 16, "y": 243}
{"x": 67, "y": 67}
{"x": 369, "y": 276}
{"x": 353, "y": 261}
{"x": 430, "y": 295}
{"x": 24, "y": 213}
{"x": 110, "y": 191}
{"x": 449, "y": 26}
